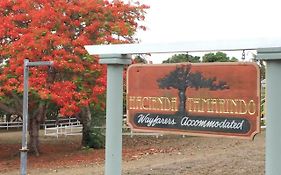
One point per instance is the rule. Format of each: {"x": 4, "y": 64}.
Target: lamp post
{"x": 24, "y": 149}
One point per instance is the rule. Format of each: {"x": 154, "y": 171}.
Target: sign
{"x": 211, "y": 99}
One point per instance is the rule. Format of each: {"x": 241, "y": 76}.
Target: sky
{"x": 199, "y": 20}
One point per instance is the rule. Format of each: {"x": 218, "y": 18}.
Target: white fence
{"x": 68, "y": 128}
{"x": 48, "y": 123}
{"x": 7, "y": 125}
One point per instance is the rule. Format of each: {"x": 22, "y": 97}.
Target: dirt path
{"x": 178, "y": 156}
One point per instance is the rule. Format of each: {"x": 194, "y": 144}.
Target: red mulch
{"x": 65, "y": 154}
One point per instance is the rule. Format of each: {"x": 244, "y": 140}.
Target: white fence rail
{"x": 48, "y": 123}
{"x": 7, "y": 125}
{"x": 68, "y": 128}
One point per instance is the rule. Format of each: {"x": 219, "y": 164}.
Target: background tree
{"x": 182, "y": 78}
{"x": 179, "y": 58}
{"x": 57, "y": 30}
{"x": 139, "y": 59}
{"x": 218, "y": 57}
{"x": 209, "y": 57}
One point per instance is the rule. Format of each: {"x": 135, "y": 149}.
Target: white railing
{"x": 60, "y": 121}
{"x": 67, "y": 128}
{"x": 7, "y": 125}
{"x": 48, "y": 123}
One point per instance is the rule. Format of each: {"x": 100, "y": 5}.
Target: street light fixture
{"x": 24, "y": 149}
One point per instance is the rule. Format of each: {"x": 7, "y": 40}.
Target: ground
{"x": 142, "y": 155}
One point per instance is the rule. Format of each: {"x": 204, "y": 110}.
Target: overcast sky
{"x": 192, "y": 20}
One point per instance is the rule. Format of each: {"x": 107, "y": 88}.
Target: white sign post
{"x": 114, "y": 112}
{"x": 272, "y": 57}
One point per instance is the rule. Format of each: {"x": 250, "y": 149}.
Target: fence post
{"x": 114, "y": 111}
{"x": 272, "y": 57}
{"x": 45, "y": 130}
{"x": 57, "y": 131}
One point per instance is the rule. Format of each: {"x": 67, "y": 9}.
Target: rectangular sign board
{"x": 211, "y": 99}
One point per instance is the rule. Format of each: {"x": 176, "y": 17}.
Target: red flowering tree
{"x": 57, "y": 30}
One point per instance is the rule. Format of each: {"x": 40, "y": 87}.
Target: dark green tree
{"x": 218, "y": 57}
{"x": 179, "y": 58}
{"x": 140, "y": 59}
{"x": 94, "y": 135}
{"x": 182, "y": 78}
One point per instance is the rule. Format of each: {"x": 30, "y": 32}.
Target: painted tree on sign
{"x": 57, "y": 30}
{"x": 182, "y": 78}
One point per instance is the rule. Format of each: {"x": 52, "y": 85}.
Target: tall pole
{"x": 114, "y": 112}
{"x": 24, "y": 149}
{"x": 273, "y": 109}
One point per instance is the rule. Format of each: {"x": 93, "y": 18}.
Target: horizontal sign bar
{"x": 39, "y": 63}
{"x": 192, "y": 46}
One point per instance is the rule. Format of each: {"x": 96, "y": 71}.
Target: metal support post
{"x": 24, "y": 149}
{"x": 114, "y": 112}
{"x": 23, "y": 155}
{"x": 273, "y": 110}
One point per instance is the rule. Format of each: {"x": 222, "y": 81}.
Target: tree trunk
{"x": 8, "y": 117}
{"x": 182, "y": 105}
{"x": 34, "y": 126}
{"x": 86, "y": 122}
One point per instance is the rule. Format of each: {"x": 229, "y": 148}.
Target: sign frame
{"x": 256, "y": 124}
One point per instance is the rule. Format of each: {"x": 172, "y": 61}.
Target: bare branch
{"x": 7, "y": 109}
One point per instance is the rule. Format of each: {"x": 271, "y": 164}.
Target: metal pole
{"x": 273, "y": 109}
{"x": 114, "y": 113}
{"x": 24, "y": 149}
